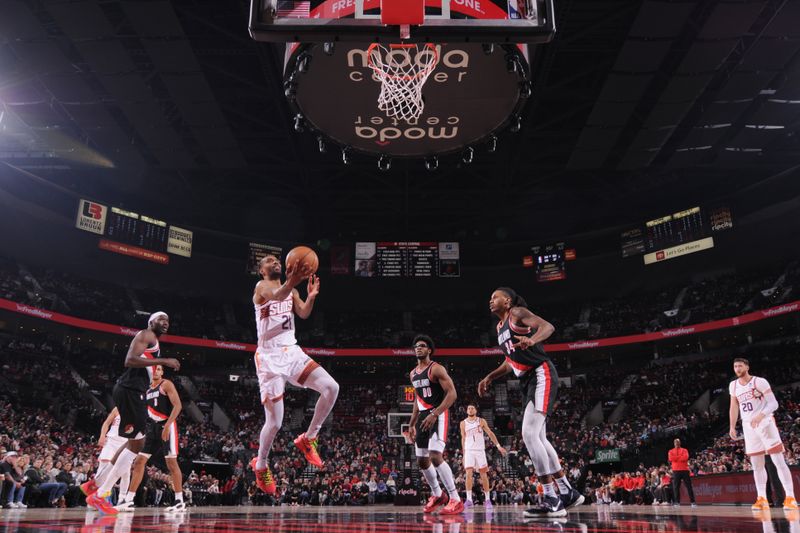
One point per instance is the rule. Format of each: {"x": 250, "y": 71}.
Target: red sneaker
{"x": 309, "y": 449}
{"x": 434, "y": 503}
{"x": 101, "y": 504}
{"x": 89, "y": 488}
{"x": 264, "y": 479}
{"x": 453, "y": 507}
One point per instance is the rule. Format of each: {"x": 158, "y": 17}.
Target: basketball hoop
{"x": 402, "y": 70}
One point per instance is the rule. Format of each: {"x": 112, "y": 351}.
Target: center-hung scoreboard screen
{"x": 389, "y": 259}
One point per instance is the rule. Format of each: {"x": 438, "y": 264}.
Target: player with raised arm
{"x": 473, "y": 428}
{"x": 163, "y": 407}
{"x": 143, "y": 354}
{"x": 752, "y": 397}
{"x": 279, "y": 359}
{"x": 520, "y": 334}
{"x": 435, "y": 394}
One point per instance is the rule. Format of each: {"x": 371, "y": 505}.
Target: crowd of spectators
{"x": 363, "y": 463}
{"x": 48, "y": 460}
{"x": 707, "y": 299}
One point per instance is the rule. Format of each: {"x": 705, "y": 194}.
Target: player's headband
{"x": 155, "y": 316}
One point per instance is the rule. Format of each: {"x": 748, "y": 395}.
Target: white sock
{"x": 448, "y": 481}
{"x": 487, "y": 496}
{"x": 550, "y": 490}
{"x": 273, "y": 413}
{"x": 433, "y": 482}
{"x": 129, "y": 496}
{"x": 759, "y": 474}
{"x": 563, "y": 485}
{"x": 783, "y": 473}
{"x": 178, "y": 497}
{"x": 469, "y": 495}
{"x": 125, "y": 482}
{"x": 322, "y": 382}
{"x": 124, "y": 462}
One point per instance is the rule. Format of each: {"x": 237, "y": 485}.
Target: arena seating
{"x": 54, "y": 422}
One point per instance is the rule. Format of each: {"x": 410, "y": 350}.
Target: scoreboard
{"x": 139, "y": 230}
{"x": 549, "y": 262}
{"x": 670, "y": 230}
{"x": 132, "y": 234}
{"x": 675, "y": 234}
{"x": 388, "y": 259}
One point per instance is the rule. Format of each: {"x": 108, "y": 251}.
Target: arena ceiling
{"x": 637, "y": 106}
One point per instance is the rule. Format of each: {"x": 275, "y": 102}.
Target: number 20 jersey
{"x": 275, "y": 323}
{"x": 750, "y": 396}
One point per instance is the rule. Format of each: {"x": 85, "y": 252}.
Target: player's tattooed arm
{"x": 523, "y": 316}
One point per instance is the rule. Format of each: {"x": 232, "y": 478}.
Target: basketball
{"x": 302, "y": 257}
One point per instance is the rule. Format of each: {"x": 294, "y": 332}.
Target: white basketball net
{"x": 403, "y": 70}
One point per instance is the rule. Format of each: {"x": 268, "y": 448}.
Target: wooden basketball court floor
{"x": 390, "y": 519}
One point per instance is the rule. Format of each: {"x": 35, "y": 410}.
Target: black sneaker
{"x": 572, "y": 499}
{"x": 552, "y": 506}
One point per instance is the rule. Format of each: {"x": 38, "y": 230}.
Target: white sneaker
{"x": 21, "y": 505}
{"x": 125, "y": 507}
{"x": 177, "y": 508}
{"x": 13, "y": 505}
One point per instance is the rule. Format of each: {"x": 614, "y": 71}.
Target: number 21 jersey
{"x": 275, "y": 323}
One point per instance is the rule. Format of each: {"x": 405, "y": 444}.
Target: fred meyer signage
{"x": 607, "y": 456}
{"x": 677, "y": 251}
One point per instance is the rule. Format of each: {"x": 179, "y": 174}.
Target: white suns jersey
{"x": 113, "y": 431}
{"x": 473, "y": 435}
{"x": 275, "y": 323}
{"x": 750, "y": 396}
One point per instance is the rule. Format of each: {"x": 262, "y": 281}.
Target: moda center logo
{"x": 384, "y": 130}
{"x": 468, "y": 95}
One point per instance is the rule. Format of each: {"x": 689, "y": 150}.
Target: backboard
{"x": 474, "y": 91}
{"x": 397, "y": 424}
{"x": 445, "y": 21}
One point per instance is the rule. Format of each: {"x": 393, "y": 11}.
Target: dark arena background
{"x": 630, "y": 168}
